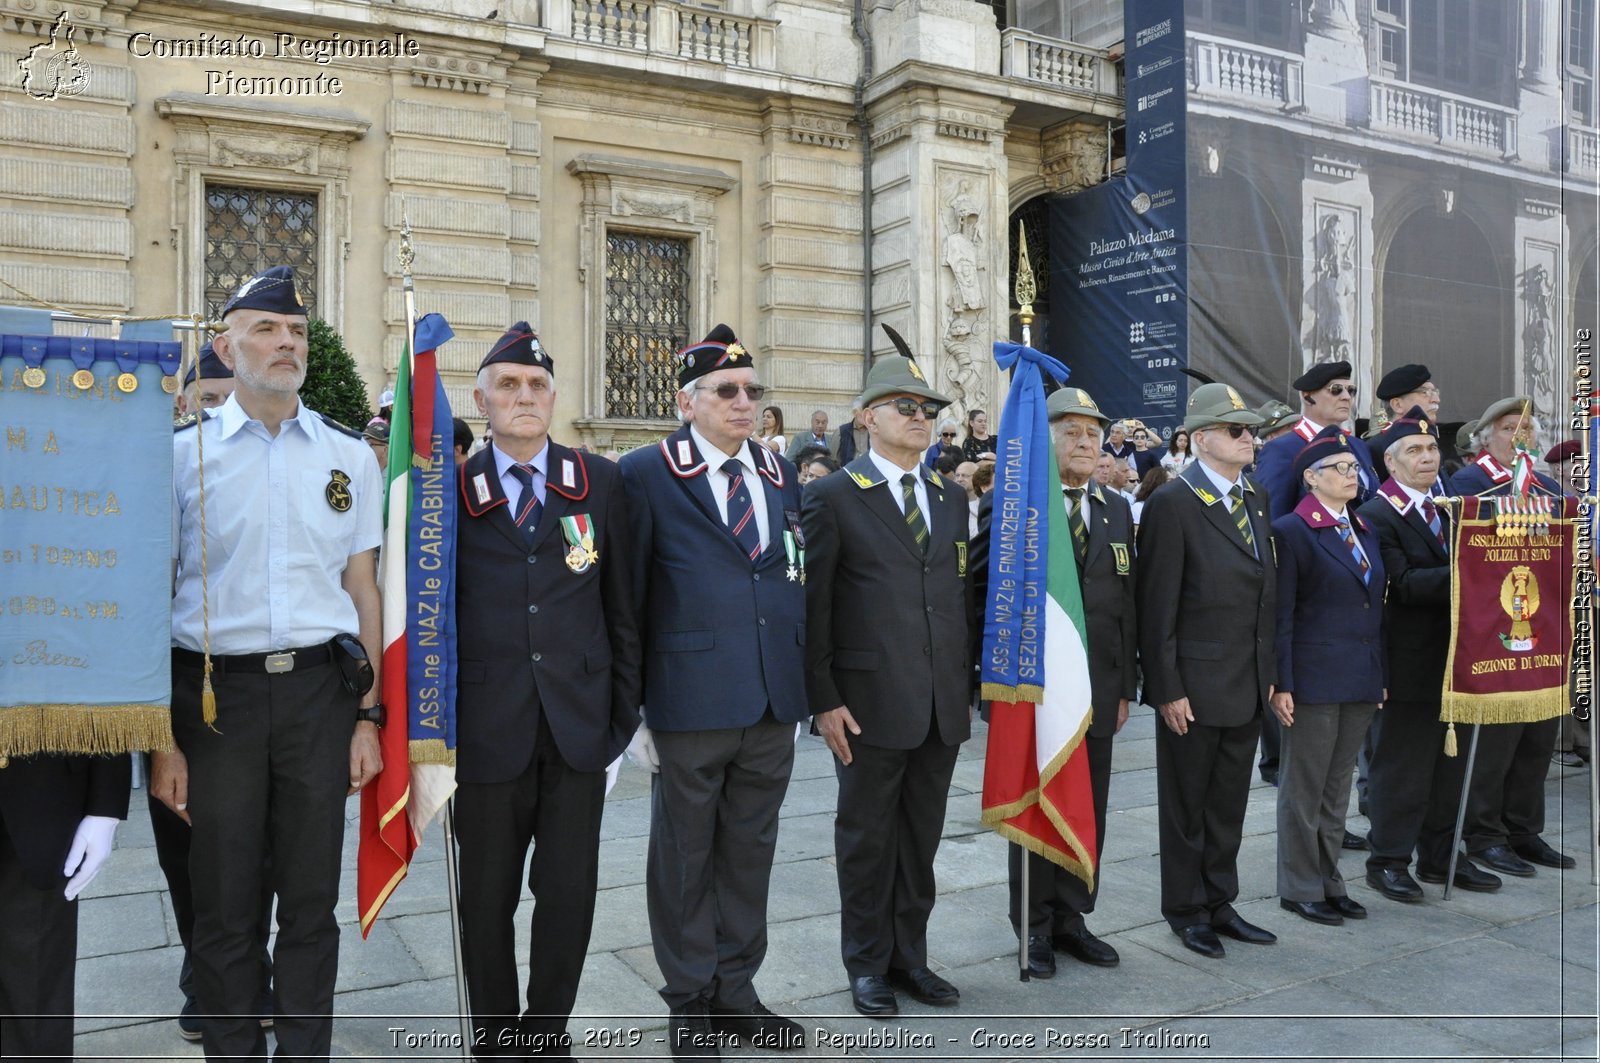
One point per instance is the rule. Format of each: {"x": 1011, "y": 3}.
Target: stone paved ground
{"x": 1502, "y": 976}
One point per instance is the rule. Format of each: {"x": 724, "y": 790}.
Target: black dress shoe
{"x": 925, "y": 987}
{"x": 1354, "y": 842}
{"x": 1504, "y": 860}
{"x": 1540, "y": 852}
{"x": 1270, "y": 777}
{"x": 1249, "y": 933}
{"x": 1567, "y": 759}
{"x": 758, "y": 1027}
{"x": 1348, "y": 908}
{"x": 1315, "y": 911}
{"x": 1084, "y": 946}
{"x": 689, "y": 1030}
{"x": 1202, "y": 939}
{"x": 873, "y": 998}
{"x": 1396, "y": 884}
{"x": 1469, "y": 877}
{"x": 1041, "y": 957}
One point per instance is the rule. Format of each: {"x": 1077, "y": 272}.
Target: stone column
{"x": 1541, "y": 45}
{"x": 1539, "y": 335}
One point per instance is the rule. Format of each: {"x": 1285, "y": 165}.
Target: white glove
{"x": 642, "y": 750}
{"x": 91, "y": 845}
{"x": 612, "y": 771}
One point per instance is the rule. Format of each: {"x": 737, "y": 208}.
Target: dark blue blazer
{"x": 1486, "y": 476}
{"x": 723, "y": 638}
{"x": 1274, "y": 470}
{"x": 1330, "y": 623}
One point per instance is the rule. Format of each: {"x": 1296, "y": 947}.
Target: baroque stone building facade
{"x": 620, "y": 173}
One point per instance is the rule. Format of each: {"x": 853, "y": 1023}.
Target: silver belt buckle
{"x": 279, "y": 662}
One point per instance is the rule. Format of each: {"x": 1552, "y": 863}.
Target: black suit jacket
{"x": 1107, "y": 580}
{"x": 886, "y": 627}
{"x": 535, "y": 636}
{"x": 43, "y": 798}
{"x": 1207, "y": 604}
{"x": 1418, "y": 607}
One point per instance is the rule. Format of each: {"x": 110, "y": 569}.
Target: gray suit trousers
{"x": 1318, "y": 753}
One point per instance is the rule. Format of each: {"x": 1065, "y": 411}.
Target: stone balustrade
{"x": 1242, "y": 73}
{"x": 1055, "y": 62}
{"x": 666, "y": 28}
{"x": 1443, "y": 118}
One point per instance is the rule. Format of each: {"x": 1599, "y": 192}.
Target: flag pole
{"x": 1461, "y": 809}
{"x": 452, "y": 873}
{"x": 1586, "y": 603}
{"x": 1026, "y": 290}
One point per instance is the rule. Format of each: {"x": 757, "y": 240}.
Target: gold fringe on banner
{"x": 1517, "y": 706}
{"x": 431, "y": 751}
{"x": 1001, "y": 692}
{"x": 93, "y": 729}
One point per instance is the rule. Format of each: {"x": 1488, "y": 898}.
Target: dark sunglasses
{"x": 1237, "y": 430}
{"x": 1342, "y": 389}
{"x": 909, "y": 407}
{"x": 729, "y": 392}
{"x": 947, "y": 435}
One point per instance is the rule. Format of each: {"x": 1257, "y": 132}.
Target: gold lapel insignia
{"x": 961, "y": 559}
{"x": 1120, "y": 552}
{"x": 338, "y": 491}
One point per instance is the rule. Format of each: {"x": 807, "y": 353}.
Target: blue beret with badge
{"x": 271, "y": 290}
{"x": 720, "y": 349}
{"x": 210, "y": 366}
{"x": 1328, "y": 443}
{"x": 520, "y": 346}
{"x": 1414, "y": 423}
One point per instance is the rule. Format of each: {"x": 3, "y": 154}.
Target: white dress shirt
{"x": 714, "y": 458}
{"x": 276, "y": 548}
{"x": 892, "y": 473}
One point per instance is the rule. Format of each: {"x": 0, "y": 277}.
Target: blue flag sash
{"x": 1013, "y": 625}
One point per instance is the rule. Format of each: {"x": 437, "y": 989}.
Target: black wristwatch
{"x": 373, "y": 715}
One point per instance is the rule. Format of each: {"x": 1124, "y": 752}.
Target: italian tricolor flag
{"x": 1036, "y": 773}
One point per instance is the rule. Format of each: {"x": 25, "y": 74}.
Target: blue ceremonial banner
{"x": 1013, "y": 625}
{"x": 85, "y": 544}
{"x": 1119, "y": 250}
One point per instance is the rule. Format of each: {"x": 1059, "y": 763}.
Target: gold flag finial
{"x": 407, "y": 254}
{"x": 1026, "y": 289}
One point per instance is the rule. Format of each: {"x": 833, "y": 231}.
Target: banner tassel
{"x": 1450, "y": 749}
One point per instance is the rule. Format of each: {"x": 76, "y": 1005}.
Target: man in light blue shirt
{"x": 280, "y": 561}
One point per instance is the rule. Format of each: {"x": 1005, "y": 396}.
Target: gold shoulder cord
{"x": 208, "y": 697}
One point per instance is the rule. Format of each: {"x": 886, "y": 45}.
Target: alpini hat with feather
{"x": 898, "y": 375}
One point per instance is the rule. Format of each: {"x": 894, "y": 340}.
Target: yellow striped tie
{"x": 1241, "y": 515}
{"x": 914, "y": 518}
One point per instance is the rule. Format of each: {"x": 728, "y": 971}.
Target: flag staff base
{"x": 1461, "y": 811}
{"x": 1024, "y": 923}
{"x": 452, "y": 879}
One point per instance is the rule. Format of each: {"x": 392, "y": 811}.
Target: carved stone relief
{"x": 964, "y": 283}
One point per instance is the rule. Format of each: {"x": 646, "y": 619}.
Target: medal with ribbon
{"x": 797, "y": 558}
{"x": 578, "y": 530}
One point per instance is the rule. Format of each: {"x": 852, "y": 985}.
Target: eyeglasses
{"x": 1237, "y": 430}
{"x": 1342, "y": 389}
{"x": 945, "y": 435}
{"x": 1343, "y": 468}
{"x": 909, "y": 407}
{"x": 729, "y": 392}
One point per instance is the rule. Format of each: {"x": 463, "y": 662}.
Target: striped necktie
{"x": 1349, "y": 538}
{"x": 1075, "y": 521}
{"x": 529, "y": 508}
{"x": 741, "y": 511}
{"x": 1241, "y": 515}
{"x": 1431, "y": 512}
{"x": 914, "y": 518}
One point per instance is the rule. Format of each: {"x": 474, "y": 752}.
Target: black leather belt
{"x": 267, "y": 663}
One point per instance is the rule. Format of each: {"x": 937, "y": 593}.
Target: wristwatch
{"x": 374, "y": 715}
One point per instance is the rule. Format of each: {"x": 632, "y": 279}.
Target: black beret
{"x": 271, "y": 290}
{"x": 1403, "y": 380}
{"x": 520, "y": 345}
{"x": 1325, "y": 444}
{"x": 210, "y": 366}
{"x": 1321, "y": 375}
{"x": 1414, "y": 422}
{"x": 720, "y": 349}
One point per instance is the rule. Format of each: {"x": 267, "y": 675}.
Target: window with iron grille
{"x": 647, "y": 322}
{"x": 251, "y": 229}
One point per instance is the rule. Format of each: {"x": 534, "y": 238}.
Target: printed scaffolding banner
{"x": 1510, "y": 616}
{"x": 85, "y": 544}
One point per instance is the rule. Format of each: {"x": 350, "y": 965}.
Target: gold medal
{"x": 169, "y": 384}
{"x": 83, "y": 380}
{"x": 127, "y": 383}
{"x": 33, "y": 376}
{"x": 578, "y": 559}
